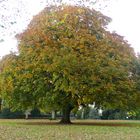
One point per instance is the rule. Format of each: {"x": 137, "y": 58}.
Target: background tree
{"x": 67, "y": 59}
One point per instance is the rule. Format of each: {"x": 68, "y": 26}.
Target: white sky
{"x": 16, "y": 14}
{"x": 126, "y": 20}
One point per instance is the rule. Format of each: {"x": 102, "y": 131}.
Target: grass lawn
{"x": 79, "y": 130}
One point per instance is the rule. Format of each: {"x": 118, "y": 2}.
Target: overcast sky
{"x": 15, "y": 15}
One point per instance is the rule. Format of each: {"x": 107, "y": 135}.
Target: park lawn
{"x": 79, "y": 130}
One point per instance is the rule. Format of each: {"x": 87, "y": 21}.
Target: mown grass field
{"x": 79, "y": 130}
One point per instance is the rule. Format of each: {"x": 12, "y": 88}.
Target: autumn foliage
{"x": 67, "y": 58}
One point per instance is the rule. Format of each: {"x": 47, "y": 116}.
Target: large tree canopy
{"x": 67, "y": 58}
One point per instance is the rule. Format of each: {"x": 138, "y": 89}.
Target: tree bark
{"x": 66, "y": 114}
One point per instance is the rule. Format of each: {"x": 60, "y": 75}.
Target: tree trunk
{"x": 53, "y": 115}
{"x": 66, "y": 114}
{"x": 26, "y": 116}
{"x": 83, "y": 114}
{"x": 0, "y": 105}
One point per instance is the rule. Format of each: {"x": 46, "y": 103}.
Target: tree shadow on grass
{"x": 83, "y": 123}
{"x": 107, "y": 124}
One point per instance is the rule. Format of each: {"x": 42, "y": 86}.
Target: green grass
{"x": 79, "y": 130}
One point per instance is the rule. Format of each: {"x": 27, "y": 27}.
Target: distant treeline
{"x": 83, "y": 113}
